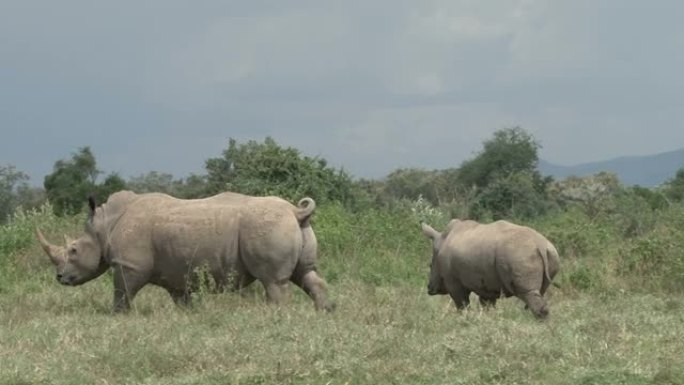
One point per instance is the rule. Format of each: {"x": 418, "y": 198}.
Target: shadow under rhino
{"x": 233, "y": 238}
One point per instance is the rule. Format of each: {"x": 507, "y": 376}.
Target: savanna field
{"x": 617, "y": 318}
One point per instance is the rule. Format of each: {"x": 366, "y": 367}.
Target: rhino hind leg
{"x": 305, "y": 275}
{"x": 276, "y": 292}
{"x": 315, "y": 287}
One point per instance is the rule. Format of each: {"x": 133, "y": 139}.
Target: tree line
{"x": 501, "y": 181}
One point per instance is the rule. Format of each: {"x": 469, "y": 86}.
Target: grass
{"x": 602, "y": 330}
{"x": 379, "y": 335}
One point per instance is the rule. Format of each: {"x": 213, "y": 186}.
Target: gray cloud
{"x": 161, "y": 85}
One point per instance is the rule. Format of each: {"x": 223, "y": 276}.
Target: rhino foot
{"x": 329, "y": 307}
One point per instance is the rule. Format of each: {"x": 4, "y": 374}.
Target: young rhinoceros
{"x": 155, "y": 238}
{"x": 491, "y": 260}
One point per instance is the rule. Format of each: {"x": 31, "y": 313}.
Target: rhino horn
{"x": 67, "y": 240}
{"x": 54, "y": 252}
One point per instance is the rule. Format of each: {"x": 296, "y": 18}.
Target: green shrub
{"x": 574, "y": 234}
{"x": 17, "y": 236}
{"x": 270, "y": 169}
{"x": 655, "y": 261}
{"x": 376, "y": 246}
{"x": 18, "y": 233}
{"x": 583, "y": 278}
{"x": 385, "y": 246}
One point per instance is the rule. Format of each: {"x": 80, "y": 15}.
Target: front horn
{"x": 54, "y": 252}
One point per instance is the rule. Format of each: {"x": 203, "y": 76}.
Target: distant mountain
{"x": 646, "y": 171}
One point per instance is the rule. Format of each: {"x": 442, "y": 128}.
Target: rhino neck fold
{"x": 105, "y": 235}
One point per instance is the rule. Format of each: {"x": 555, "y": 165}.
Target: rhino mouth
{"x": 67, "y": 280}
{"x": 431, "y": 290}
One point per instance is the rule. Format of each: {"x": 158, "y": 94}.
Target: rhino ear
{"x": 429, "y": 231}
{"x": 92, "y": 204}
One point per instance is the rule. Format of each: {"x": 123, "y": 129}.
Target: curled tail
{"x": 305, "y": 207}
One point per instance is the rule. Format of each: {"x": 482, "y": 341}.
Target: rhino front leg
{"x": 315, "y": 287}
{"x": 460, "y": 296}
{"x": 127, "y": 283}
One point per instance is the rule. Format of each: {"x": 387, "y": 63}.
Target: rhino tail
{"x": 304, "y": 210}
{"x": 545, "y": 263}
{"x": 552, "y": 253}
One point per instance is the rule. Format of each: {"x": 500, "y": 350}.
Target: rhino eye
{"x": 72, "y": 250}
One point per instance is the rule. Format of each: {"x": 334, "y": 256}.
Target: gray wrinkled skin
{"x": 491, "y": 260}
{"x": 155, "y": 238}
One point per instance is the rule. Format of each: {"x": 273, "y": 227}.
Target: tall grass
{"x": 617, "y": 319}
{"x": 20, "y": 259}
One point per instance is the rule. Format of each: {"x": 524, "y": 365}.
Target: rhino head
{"x": 435, "y": 283}
{"x": 80, "y": 260}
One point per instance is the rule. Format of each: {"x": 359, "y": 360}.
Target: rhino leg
{"x": 276, "y": 292}
{"x": 305, "y": 275}
{"x": 127, "y": 283}
{"x": 242, "y": 282}
{"x": 181, "y": 298}
{"x": 488, "y": 301}
{"x": 239, "y": 277}
{"x": 315, "y": 287}
{"x": 536, "y": 303}
{"x": 460, "y": 296}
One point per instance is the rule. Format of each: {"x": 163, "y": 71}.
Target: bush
{"x": 674, "y": 188}
{"x": 515, "y": 195}
{"x": 575, "y": 235}
{"x": 379, "y": 247}
{"x": 269, "y": 169}
{"x": 655, "y": 260}
{"x": 72, "y": 181}
{"x": 583, "y": 278}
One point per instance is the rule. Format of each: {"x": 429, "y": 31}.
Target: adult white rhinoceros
{"x": 155, "y": 238}
{"x": 491, "y": 260}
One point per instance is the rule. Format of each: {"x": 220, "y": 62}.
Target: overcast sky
{"x": 369, "y": 85}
